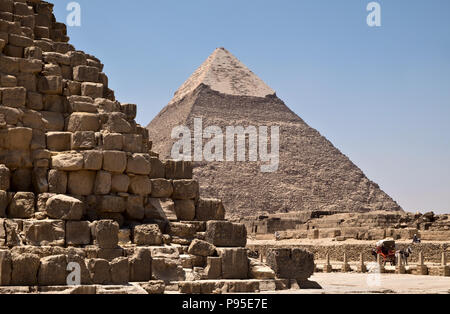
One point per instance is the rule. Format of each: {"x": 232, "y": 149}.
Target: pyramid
{"x": 80, "y": 187}
{"x": 312, "y": 174}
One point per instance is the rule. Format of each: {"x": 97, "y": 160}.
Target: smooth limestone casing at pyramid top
{"x": 312, "y": 174}
{"x": 79, "y": 183}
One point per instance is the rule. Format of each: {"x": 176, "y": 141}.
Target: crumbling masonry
{"x": 79, "y": 183}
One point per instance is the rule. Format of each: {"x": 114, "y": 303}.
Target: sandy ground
{"x": 353, "y": 283}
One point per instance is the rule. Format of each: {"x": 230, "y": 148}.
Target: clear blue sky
{"x": 380, "y": 95}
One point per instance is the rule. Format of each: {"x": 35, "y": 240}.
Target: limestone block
{"x": 22, "y": 205}
{"x": 154, "y": 287}
{"x": 93, "y": 90}
{"x": 112, "y": 141}
{"x": 72, "y": 88}
{"x": 77, "y": 58}
{"x": 182, "y": 230}
{"x": 33, "y": 53}
{"x": 213, "y": 269}
{"x": 139, "y": 164}
{"x": 99, "y": 270}
{"x": 130, "y": 110}
{"x": 132, "y": 143}
{"x": 120, "y": 271}
{"x": 140, "y": 185}
{"x": 78, "y": 233}
{"x": 54, "y": 103}
{"x": 81, "y": 182}
{"x": 107, "y": 106}
{"x": 161, "y": 188}
{"x": 147, "y": 235}
{"x": 93, "y": 160}
{"x": 57, "y": 181}
{"x": 31, "y": 66}
{"x": 58, "y": 141}
{"x": 52, "y": 85}
{"x": 19, "y": 138}
{"x": 83, "y": 121}
{"x": 158, "y": 169}
{"x": 24, "y": 269}
{"x": 167, "y": 270}
{"x": 185, "y": 189}
{"x": 106, "y": 234}
{"x": 8, "y": 80}
{"x": 14, "y": 96}
{"x": 53, "y": 121}
{"x": 178, "y": 170}
{"x": 5, "y": 178}
{"x": 53, "y": 271}
{"x": 4, "y": 201}
{"x": 102, "y": 183}
{"x": 117, "y": 123}
{"x": 41, "y": 203}
{"x": 12, "y": 231}
{"x": 141, "y": 265}
{"x": 112, "y": 204}
{"x": 18, "y": 40}
{"x": 64, "y": 207}
{"x": 124, "y": 236}
{"x": 209, "y": 209}
{"x": 260, "y": 271}
{"x": 39, "y": 176}
{"x": 226, "y": 234}
{"x": 120, "y": 183}
{"x": 185, "y": 210}
{"x": 83, "y": 140}
{"x": 114, "y": 161}
{"x": 201, "y": 248}
{"x": 44, "y": 232}
{"x": 160, "y": 209}
{"x": 291, "y": 263}
{"x": 135, "y": 207}
{"x": 235, "y": 263}
{"x": 68, "y": 162}
{"x": 5, "y": 267}
{"x": 84, "y": 73}
{"x": 11, "y": 116}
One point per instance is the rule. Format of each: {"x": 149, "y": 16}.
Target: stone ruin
{"x": 343, "y": 226}
{"x": 80, "y": 184}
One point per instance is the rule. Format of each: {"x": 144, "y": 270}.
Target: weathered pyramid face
{"x": 224, "y": 73}
{"x": 311, "y": 175}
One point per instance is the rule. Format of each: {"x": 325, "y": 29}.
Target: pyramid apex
{"x": 224, "y": 73}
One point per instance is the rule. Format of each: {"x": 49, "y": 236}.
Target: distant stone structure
{"x": 80, "y": 187}
{"x": 313, "y": 175}
{"x": 343, "y": 226}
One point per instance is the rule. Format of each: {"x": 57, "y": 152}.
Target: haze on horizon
{"x": 380, "y": 95}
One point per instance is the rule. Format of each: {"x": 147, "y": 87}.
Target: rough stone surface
{"x": 106, "y": 233}
{"x": 147, "y": 235}
{"x": 235, "y": 263}
{"x": 295, "y": 264}
{"x": 141, "y": 265}
{"x": 44, "y": 233}
{"x": 209, "y": 209}
{"x": 53, "y": 271}
{"x": 226, "y": 234}
{"x": 64, "y": 207}
{"x": 78, "y": 233}
{"x": 24, "y": 269}
{"x": 201, "y": 248}
{"x": 22, "y": 205}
